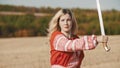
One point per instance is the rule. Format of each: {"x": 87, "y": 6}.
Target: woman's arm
{"x": 62, "y": 43}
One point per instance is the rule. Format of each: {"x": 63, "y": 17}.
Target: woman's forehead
{"x": 65, "y": 16}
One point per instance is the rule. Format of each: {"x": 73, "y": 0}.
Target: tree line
{"x": 30, "y": 25}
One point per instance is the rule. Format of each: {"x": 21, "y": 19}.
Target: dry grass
{"x": 33, "y": 52}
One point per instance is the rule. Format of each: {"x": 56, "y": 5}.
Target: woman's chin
{"x": 66, "y": 30}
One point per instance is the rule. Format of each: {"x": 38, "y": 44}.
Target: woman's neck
{"x": 67, "y": 34}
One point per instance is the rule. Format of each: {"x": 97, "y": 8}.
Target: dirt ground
{"x": 33, "y": 52}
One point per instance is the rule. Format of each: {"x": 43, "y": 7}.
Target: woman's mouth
{"x": 66, "y": 27}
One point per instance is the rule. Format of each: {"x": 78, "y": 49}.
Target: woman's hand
{"x": 102, "y": 39}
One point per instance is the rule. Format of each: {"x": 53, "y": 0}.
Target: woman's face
{"x": 65, "y": 23}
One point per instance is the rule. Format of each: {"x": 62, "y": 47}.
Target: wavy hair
{"x": 54, "y": 23}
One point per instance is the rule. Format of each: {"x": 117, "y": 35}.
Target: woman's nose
{"x": 66, "y": 22}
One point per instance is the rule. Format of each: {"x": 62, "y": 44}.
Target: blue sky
{"x": 86, "y": 4}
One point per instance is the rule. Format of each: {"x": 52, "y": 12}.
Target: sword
{"x": 102, "y": 27}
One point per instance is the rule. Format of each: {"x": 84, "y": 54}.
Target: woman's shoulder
{"x": 56, "y": 32}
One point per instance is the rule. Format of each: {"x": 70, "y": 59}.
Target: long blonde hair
{"x": 54, "y": 23}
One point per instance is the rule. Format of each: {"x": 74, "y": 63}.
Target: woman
{"x": 66, "y": 47}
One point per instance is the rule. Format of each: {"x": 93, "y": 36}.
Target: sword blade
{"x": 100, "y": 18}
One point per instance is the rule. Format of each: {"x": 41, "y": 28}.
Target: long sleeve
{"x": 61, "y": 43}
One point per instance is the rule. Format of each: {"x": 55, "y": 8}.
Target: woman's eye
{"x": 62, "y": 20}
{"x": 68, "y": 19}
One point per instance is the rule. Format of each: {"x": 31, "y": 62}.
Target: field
{"x": 33, "y": 52}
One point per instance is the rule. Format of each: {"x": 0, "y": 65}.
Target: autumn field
{"x": 33, "y": 52}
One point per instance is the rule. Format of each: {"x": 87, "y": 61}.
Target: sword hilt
{"x": 104, "y": 42}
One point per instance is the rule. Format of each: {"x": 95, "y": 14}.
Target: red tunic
{"x": 68, "y": 53}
